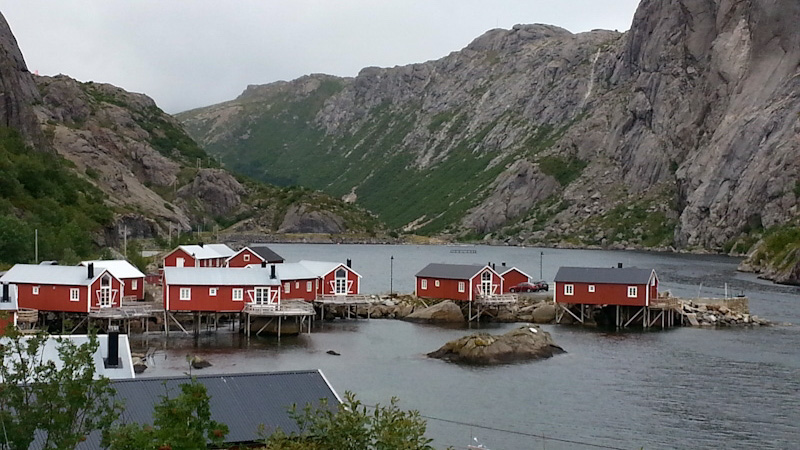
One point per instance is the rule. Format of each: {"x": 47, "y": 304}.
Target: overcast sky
{"x": 192, "y": 53}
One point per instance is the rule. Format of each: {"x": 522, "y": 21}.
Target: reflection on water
{"x": 681, "y": 388}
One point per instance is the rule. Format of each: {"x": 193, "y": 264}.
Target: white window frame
{"x": 212, "y": 292}
{"x": 423, "y": 284}
{"x": 569, "y": 289}
{"x": 186, "y": 293}
{"x": 633, "y": 292}
{"x": 237, "y": 294}
{"x": 436, "y": 283}
{"x": 462, "y": 286}
{"x": 74, "y": 294}
{"x": 308, "y": 286}
{"x": 36, "y": 290}
{"x": 246, "y": 257}
{"x": 591, "y": 288}
{"x": 286, "y": 287}
{"x": 134, "y": 284}
{"x": 297, "y": 284}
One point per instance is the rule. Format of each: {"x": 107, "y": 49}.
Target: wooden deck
{"x": 127, "y": 311}
{"x": 496, "y": 300}
{"x": 344, "y": 300}
{"x": 287, "y": 308}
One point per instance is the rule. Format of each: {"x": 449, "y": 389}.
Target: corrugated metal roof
{"x": 208, "y": 251}
{"x": 218, "y": 276}
{"x": 322, "y": 268}
{"x": 265, "y": 253}
{"x": 11, "y": 304}
{"x": 61, "y": 275}
{"x": 518, "y": 270}
{"x": 118, "y": 267}
{"x": 603, "y": 275}
{"x": 241, "y": 401}
{"x": 450, "y": 271}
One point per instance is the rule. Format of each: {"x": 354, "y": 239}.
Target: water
{"x": 681, "y": 388}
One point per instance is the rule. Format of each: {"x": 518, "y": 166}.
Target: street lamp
{"x": 541, "y": 260}
{"x": 391, "y": 274}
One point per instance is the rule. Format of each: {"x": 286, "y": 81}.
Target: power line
{"x": 519, "y": 433}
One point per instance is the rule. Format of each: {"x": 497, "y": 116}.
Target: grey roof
{"x": 241, "y": 401}
{"x": 266, "y": 253}
{"x": 62, "y": 275}
{"x": 218, "y": 276}
{"x": 208, "y": 251}
{"x": 322, "y": 268}
{"x": 450, "y": 271}
{"x": 603, "y": 275}
{"x": 120, "y": 268}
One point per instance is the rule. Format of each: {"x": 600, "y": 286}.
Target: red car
{"x": 524, "y": 287}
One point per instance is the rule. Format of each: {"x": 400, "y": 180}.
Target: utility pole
{"x": 36, "y": 245}
{"x": 391, "y": 275}
{"x": 125, "y": 241}
{"x": 541, "y": 261}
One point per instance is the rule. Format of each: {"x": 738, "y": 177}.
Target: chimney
{"x": 272, "y": 275}
{"x": 6, "y": 296}
{"x": 503, "y": 263}
{"x": 113, "y": 361}
{"x": 200, "y": 244}
{"x": 349, "y": 263}
{"x": 619, "y": 265}
{"x": 90, "y": 270}
{"x": 493, "y": 268}
{"x": 264, "y": 264}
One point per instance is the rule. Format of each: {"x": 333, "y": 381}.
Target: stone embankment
{"x": 710, "y": 314}
{"x": 534, "y": 308}
{"x": 521, "y": 344}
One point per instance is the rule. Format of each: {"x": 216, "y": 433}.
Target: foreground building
{"x": 126, "y": 272}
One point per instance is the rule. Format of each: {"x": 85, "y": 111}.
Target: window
{"x": 286, "y": 287}
{"x": 436, "y": 283}
{"x": 308, "y": 286}
{"x": 461, "y": 286}
{"x": 238, "y": 294}
{"x": 632, "y": 291}
{"x": 36, "y": 290}
{"x": 186, "y": 294}
{"x": 134, "y": 284}
{"x": 212, "y": 292}
{"x": 423, "y": 284}
{"x": 591, "y": 288}
{"x": 297, "y": 285}
{"x": 74, "y": 294}
{"x": 569, "y": 289}
{"x": 246, "y": 257}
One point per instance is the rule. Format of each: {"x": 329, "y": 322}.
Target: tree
{"x": 179, "y": 423}
{"x": 65, "y": 401}
{"x": 350, "y": 426}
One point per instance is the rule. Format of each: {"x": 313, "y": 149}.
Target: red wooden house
{"x": 8, "y": 307}
{"x": 125, "y": 271}
{"x": 457, "y": 282}
{"x": 64, "y": 288}
{"x": 513, "y": 277}
{"x": 605, "y": 286}
{"x": 298, "y": 282}
{"x": 254, "y": 254}
{"x": 200, "y": 255}
{"x": 219, "y": 289}
{"x": 334, "y": 278}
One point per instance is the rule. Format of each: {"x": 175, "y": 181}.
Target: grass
{"x": 564, "y": 170}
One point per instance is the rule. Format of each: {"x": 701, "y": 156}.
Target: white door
{"x": 261, "y": 296}
{"x": 105, "y": 291}
{"x": 486, "y": 284}
{"x": 340, "y": 287}
{"x": 179, "y": 262}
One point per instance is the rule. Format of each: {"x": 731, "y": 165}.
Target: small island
{"x": 521, "y": 344}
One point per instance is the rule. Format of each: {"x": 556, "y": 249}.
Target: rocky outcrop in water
{"x": 442, "y": 312}
{"x": 522, "y": 344}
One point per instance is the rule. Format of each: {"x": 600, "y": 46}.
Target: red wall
{"x": 6, "y": 319}
{"x": 476, "y": 283}
{"x": 448, "y": 289}
{"x": 604, "y": 294}
{"x": 171, "y": 258}
{"x": 238, "y": 259}
{"x": 57, "y": 297}
{"x": 201, "y": 301}
{"x": 138, "y": 292}
{"x": 116, "y": 288}
{"x": 298, "y": 289}
{"x": 326, "y": 288}
{"x": 513, "y": 278}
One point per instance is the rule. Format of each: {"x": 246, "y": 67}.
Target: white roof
{"x": 11, "y": 305}
{"x": 118, "y": 267}
{"x": 518, "y": 270}
{"x": 36, "y": 274}
{"x": 208, "y": 251}
{"x": 322, "y": 268}
{"x": 49, "y": 352}
{"x": 218, "y": 276}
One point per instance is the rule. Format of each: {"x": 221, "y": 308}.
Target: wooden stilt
{"x": 279, "y": 328}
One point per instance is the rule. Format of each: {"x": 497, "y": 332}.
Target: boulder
{"x": 403, "y": 310}
{"x": 443, "y": 312}
{"x": 521, "y": 344}
{"x": 199, "y": 363}
{"x": 544, "y": 314}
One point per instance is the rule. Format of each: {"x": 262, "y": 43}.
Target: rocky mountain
{"x": 683, "y": 131}
{"x": 121, "y": 158}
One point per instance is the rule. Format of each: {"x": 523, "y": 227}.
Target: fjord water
{"x": 680, "y": 388}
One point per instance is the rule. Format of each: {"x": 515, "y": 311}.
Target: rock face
{"x": 18, "y": 89}
{"x": 522, "y": 344}
{"x": 443, "y": 312}
{"x": 682, "y": 132}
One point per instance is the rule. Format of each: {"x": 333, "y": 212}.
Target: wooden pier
{"x": 300, "y": 310}
{"x": 484, "y": 303}
{"x": 348, "y": 301}
{"x": 663, "y": 312}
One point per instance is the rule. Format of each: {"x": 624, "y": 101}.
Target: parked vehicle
{"x": 524, "y": 287}
{"x": 541, "y": 286}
